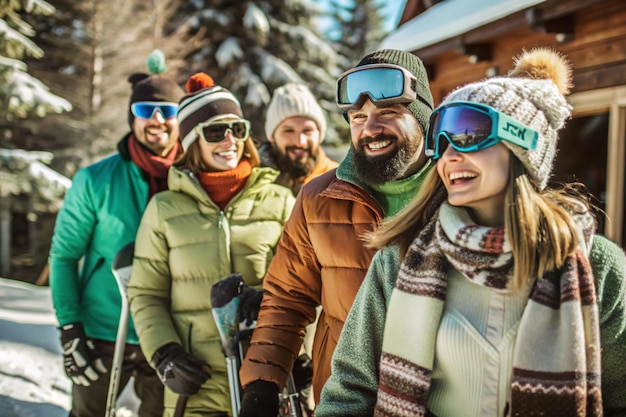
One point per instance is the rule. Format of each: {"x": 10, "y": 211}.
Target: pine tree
{"x": 254, "y": 46}
{"x": 21, "y": 93}
{"x": 358, "y": 28}
{"x": 92, "y": 47}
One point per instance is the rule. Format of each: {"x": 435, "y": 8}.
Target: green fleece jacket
{"x": 100, "y": 214}
{"x": 352, "y": 388}
{"x": 184, "y": 245}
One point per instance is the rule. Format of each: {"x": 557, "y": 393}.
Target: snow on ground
{"x": 32, "y": 380}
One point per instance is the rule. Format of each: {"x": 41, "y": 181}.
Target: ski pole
{"x": 225, "y": 308}
{"x": 181, "y": 405}
{"x": 122, "y": 268}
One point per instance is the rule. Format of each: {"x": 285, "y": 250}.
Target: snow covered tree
{"x": 92, "y": 46}
{"x": 22, "y": 94}
{"x": 358, "y": 27}
{"x": 254, "y": 46}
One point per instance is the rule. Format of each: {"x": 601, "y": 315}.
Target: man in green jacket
{"x": 100, "y": 214}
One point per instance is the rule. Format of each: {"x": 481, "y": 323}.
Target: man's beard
{"x": 384, "y": 168}
{"x": 295, "y": 169}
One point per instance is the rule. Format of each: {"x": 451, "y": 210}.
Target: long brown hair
{"x": 539, "y": 224}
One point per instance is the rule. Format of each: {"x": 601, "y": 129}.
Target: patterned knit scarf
{"x": 556, "y": 361}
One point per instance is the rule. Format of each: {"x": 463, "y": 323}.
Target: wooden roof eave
{"x": 550, "y": 17}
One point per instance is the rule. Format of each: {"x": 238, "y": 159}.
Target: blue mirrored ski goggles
{"x": 384, "y": 84}
{"x": 470, "y": 127}
{"x": 213, "y": 132}
{"x": 146, "y": 109}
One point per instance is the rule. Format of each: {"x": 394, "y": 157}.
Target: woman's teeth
{"x": 461, "y": 175}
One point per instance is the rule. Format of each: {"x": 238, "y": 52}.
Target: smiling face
{"x": 387, "y": 142}
{"x": 223, "y": 155}
{"x": 477, "y": 180}
{"x": 296, "y": 143}
{"x": 156, "y": 133}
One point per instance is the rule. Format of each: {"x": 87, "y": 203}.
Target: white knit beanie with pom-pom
{"x": 533, "y": 94}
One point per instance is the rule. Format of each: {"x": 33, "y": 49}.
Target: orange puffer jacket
{"x": 320, "y": 260}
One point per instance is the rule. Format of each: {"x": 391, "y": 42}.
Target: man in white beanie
{"x": 295, "y": 127}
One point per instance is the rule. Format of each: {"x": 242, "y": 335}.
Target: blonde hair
{"x": 192, "y": 160}
{"x": 540, "y": 228}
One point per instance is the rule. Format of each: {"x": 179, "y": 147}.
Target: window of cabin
{"x": 592, "y": 150}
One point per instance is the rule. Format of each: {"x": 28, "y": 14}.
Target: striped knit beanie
{"x": 292, "y": 100}
{"x": 153, "y": 86}
{"x": 204, "y": 102}
{"x": 532, "y": 93}
{"x": 422, "y": 106}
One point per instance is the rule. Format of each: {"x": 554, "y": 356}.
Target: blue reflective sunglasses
{"x": 146, "y": 109}
{"x": 470, "y": 127}
{"x": 384, "y": 84}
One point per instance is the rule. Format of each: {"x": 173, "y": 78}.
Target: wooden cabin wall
{"x": 597, "y": 52}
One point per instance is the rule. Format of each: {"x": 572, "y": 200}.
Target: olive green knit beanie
{"x": 422, "y": 106}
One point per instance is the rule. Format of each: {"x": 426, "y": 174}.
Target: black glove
{"x": 80, "y": 361}
{"x": 302, "y": 372}
{"x": 260, "y": 399}
{"x": 250, "y": 304}
{"x": 180, "y": 371}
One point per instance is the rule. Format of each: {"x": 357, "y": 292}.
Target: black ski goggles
{"x": 146, "y": 109}
{"x": 384, "y": 84}
{"x": 470, "y": 127}
{"x": 213, "y": 132}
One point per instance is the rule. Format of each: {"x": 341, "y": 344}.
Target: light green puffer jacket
{"x": 184, "y": 245}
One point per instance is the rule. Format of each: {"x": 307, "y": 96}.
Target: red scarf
{"x": 222, "y": 186}
{"x": 155, "y": 166}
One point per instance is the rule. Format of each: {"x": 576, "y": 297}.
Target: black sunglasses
{"x": 213, "y": 132}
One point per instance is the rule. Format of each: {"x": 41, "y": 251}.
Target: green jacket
{"x": 184, "y": 245}
{"x": 100, "y": 214}
{"x": 353, "y": 386}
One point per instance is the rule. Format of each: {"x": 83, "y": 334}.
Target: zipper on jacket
{"x": 189, "y": 338}
{"x": 220, "y": 218}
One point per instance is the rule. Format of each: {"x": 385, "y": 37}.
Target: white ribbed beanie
{"x": 292, "y": 100}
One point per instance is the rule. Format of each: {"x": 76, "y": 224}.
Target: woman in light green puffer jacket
{"x": 222, "y": 214}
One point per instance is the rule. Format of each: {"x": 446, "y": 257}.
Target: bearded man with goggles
{"x": 387, "y": 102}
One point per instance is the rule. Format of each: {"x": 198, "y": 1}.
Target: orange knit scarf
{"x": 222, "y": 186}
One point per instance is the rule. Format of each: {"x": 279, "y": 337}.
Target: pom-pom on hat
{"x": 292, "y": 100}
{"x": 532, "y": 93}
{"x": 422, "y": 106}
{"x": 204, "y": 102}
{"x": 153, "y": 86}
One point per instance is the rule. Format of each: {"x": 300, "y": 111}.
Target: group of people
{"x": 453, "y": 279}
